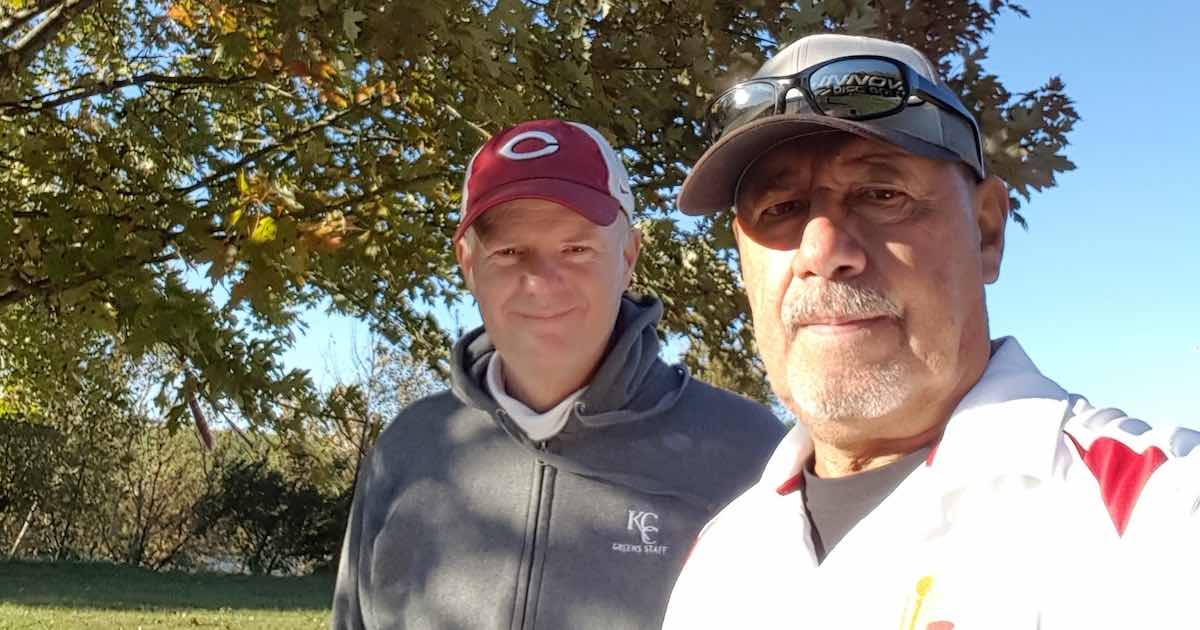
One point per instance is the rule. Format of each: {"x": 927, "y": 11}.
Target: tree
{"x": 275, "y": 524}
{"x": 294, "y": 152}
{"x": 65, "y": 451}
{"x": 383, "y": 382}
{"x": 150, "y": 520}
{"x": 27, "y": 466}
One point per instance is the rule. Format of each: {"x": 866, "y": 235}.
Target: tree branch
{"x": 35, "y": 103}
{"x": 15, "y": 20}
{"x": 480, "y": 130}
{"x": 648, "y": 68}
{"x": 44, "y": 285}
{"x": 37, "y": 38}
{"x": 369, "y": 195}
{"x": 253, "y": 157}
{"x": 762, "y": 40}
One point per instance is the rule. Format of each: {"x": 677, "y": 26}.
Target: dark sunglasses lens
{"x": 859, "y": 88}
{"x": 748, "y": 101}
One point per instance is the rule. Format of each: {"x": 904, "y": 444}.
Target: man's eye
{"x": 881, "y": 195}
{"x": 506, "y": 252}
{"x": 883, "y": 205}
{"x": 577, "y": 249}
{"x": 784, "y": 209}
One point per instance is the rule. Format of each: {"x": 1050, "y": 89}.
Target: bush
{"x": 273, "y": 524}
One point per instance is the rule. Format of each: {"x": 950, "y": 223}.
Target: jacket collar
{"x": 1007, "y": 424}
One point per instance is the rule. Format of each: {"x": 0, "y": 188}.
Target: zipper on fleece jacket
{"x": 537, "y": 521}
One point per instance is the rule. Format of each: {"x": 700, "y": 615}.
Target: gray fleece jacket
{"x": 460, "y": 521}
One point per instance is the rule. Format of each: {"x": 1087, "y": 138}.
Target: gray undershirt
{"x": 837, "y": 504}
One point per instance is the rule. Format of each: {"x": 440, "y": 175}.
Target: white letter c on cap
{"x": 550, "y": 148}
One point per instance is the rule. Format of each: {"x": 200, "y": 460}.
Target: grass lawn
{"x": 92, "y": 595}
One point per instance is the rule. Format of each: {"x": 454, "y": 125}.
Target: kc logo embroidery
{"x": 509, "y": 150}
{"x": 645, "y": 525}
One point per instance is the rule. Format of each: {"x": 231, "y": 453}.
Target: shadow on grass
{"x": 116, "y": 587}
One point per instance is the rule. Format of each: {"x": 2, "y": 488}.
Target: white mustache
{"x": 835, "y": 300}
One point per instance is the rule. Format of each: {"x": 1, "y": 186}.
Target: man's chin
{"x": 548, "y": 348}
{"x": 865, "y": 393}
{"x": 853, "y": 350}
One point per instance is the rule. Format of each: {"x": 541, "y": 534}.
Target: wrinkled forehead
{"x": 798, "y": 161}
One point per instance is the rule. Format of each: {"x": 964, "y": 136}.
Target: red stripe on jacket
{"x": 1122, "y": 474}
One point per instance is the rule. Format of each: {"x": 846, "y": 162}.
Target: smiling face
{"x": 865, "y": 267}
{"x": 548, "y": 283}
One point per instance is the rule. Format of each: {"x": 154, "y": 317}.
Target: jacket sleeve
{"x": 347, "y": 607}
{"x": 1149, "y": 482}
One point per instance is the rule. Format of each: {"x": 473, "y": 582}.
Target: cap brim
{"x": 712, "y": 184}
{"x": 595, "y": 206}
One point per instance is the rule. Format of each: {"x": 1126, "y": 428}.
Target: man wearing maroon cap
{"x": 561, "y": 481}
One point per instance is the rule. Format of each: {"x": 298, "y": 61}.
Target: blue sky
{"x": 1103, "y": 291}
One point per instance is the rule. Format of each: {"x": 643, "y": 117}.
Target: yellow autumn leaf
{"x": 325, "y": 70}
{"x": 336, "y": 99}
{"x": 264, "y": 230}
{"x": 181, "y": 15}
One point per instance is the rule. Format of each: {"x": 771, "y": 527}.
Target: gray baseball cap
{"x": 920, "y": 127}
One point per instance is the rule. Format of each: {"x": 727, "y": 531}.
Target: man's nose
{"x": 541, "y": 274}
{"x": 827, "y": 249}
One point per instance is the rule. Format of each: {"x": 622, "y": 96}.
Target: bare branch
{"x": 758, "y": 38}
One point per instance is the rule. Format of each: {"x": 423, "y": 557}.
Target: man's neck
{"x": 542, "y": 389}
{"x": 839, "y": 451}
{"x": 841, "y": 460}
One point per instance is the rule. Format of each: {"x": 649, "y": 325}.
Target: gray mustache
{"x": 836, "y": 299}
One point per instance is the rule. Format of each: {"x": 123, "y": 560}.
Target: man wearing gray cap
{"x": 935, "y": 479}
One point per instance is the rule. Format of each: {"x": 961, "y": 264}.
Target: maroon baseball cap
{"x": 565, "y": 162}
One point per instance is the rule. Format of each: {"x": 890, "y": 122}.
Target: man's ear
{"x": 631, "y": 252}
{"x": 738, "y": 235}
{"x": 991, "y": 217}
{"x": 463, "y": 252}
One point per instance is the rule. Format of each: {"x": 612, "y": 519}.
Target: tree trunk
{"x": 24, "y": 528}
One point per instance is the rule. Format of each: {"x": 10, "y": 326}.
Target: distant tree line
{"x": 97, "y": 476}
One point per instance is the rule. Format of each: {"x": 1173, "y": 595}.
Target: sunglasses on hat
{"x": 855, "y": 88}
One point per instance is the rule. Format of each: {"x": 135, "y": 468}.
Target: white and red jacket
{"x": 1035, "y": 511}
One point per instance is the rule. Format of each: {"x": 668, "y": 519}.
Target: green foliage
{"x": 89, "y": 470}
{"x": 71, "y": 443}
{"x": 295, "y": 152}
{"x": 97, "y": 473}
{"x": 28, "y": 462}
{"x": 149, "y": 520}
{"x": 274, "y": 523}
